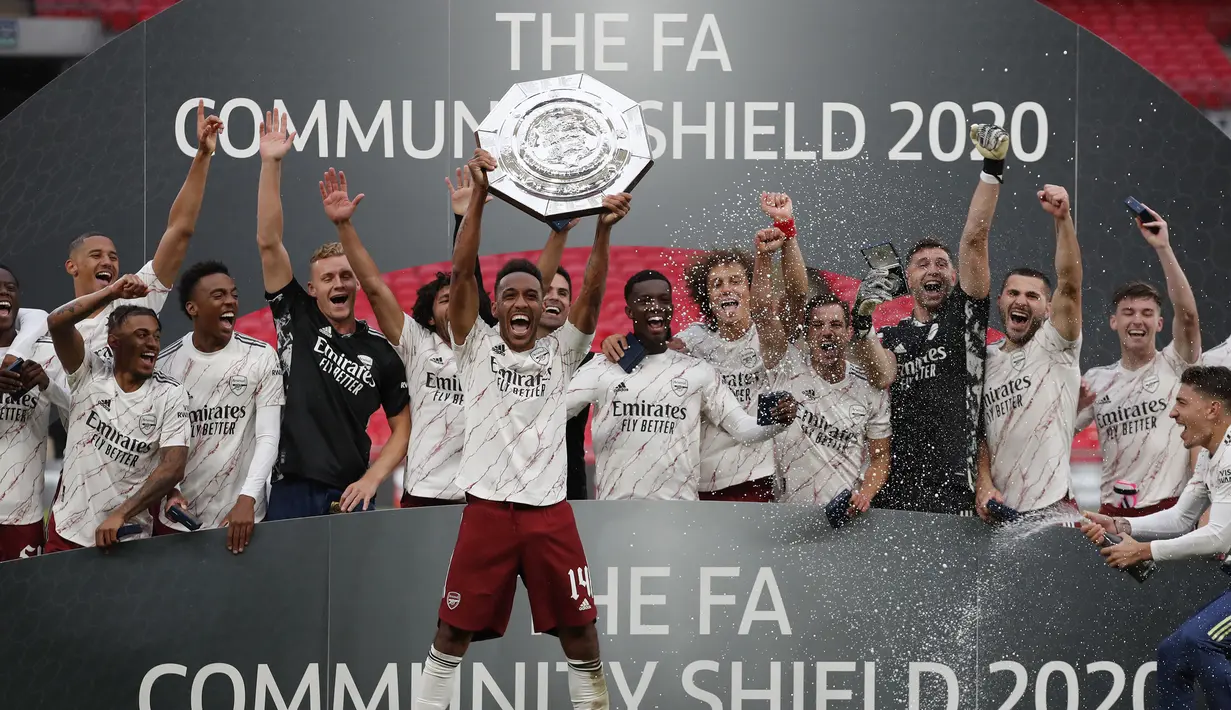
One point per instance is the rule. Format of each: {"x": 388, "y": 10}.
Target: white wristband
{"x": 990, "y": 179}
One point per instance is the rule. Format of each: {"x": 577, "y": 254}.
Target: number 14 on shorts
{"x": 580, "y": 578}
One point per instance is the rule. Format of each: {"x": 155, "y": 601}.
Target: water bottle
{"x": 1142, "y": 570}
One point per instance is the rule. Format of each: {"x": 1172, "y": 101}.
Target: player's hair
{"x": 327, "y": 250}
{"x": 517, "y": 266}
{"x": 1135, "y": 289}
{"x": 6, "y": 267}
{"x": 697, "y": 276}
{"x": 567, "y": 278}
{"x": 425, "y": 299}
{"x": 193, "y": 275}
{"x": 1211, "y": 381}
{"x": 1028, "y": 273}
{"x": 74, "y": 245}
{"x": 928, "y": 243}
{"x": 827, "y": 299}
{"x": 123, "y": 313}
{"x": 641, "y": 277}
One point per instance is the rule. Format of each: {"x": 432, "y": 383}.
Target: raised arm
{"x": 167, "y": 476}
{"x": 1185, "y": 326}
{"x": 974, "y": 273}
{"x": 553, "y": 252}
{"x": 62, "y": 323}
{"x": 584, "y": 315}
{"x": 31, "y": 325}
{"x": 766, "y": 311}
{"x": 459, "y": 200}
{"x": 339, "y": 208}
{"x": 464, "y": 288}
{"x": 866, "y": 348}
{"x": 779, "y": 207}
{"x": 275, "y": 144}
{"x": 182, "y": 222}
{"x": 1066, "y": 302}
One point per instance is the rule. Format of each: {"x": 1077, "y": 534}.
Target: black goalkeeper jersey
{"x": 935, "y": 407}
{"x": 334, "y": 383}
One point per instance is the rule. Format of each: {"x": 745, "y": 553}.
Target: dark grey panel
{"x": 72, "y": 158}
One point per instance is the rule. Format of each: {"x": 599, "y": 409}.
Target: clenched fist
{"x": 1055, "y": 201}
{"x": 992, "y": 142}
{"x": 479, "y": 166}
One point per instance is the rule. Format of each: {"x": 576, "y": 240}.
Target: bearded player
{"x": 720, "y": 282}
{"x": 1144, "y": 466}
{"x": 516, "y": 521}
{"x": 1033, "y": 376}
{"x": 821, "y": 456}
{"x": 932, "y": 363}
{"x": 94, "y": 264}
{"x": 1200, "y": 648}
{"x": 127, "y": 424}
{"x": 234, "y": 385}
{"x": 646, "y": 428}
{"x": 25, "y": 414}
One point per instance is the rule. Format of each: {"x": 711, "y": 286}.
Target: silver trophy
{"x": 563, "y": 143}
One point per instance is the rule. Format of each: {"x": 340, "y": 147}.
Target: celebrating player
{"x": 26, "y": 396}
{"x": 932, "y": 363}
{"x": 646, "y": 428}
{"x": 1144, "y": 467}
{"x": 341, "y": 372}
{"x": 94, "y": 264}
{"x": 841, "y": 415}
{"x": 516, "y": 521}
{"x": 128, "y": 424}
{"x": 234, "y": 386}
{"x": 1198, "y": 650}
{"x": 1030, "y": 397}
{"x": 720, "y": 284}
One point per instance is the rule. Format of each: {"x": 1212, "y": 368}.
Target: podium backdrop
{"x": 701, "y": 605}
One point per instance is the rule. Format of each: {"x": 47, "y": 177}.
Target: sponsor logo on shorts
{"x": 453, "y": 600}
{"x": 585, "y": 605}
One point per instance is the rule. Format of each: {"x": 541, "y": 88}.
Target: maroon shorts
{"x": 55, "y": 543}
{"x": 758, "y": 491}
{"x": 497, "y": 543}
{"x": 1113, "y": 511}
{"x": 409, "y": 501}
{"x": 161, "y": 528}
{"x": 18, "y": 541}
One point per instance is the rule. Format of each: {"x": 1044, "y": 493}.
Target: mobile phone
{"x": 558, "y": 225}
{"x": 16, "y": 366}
{"x": 885, "y": 256}
{"x": 182, "y": 517}
{"x": 1142, "y": 212}
{"x": 1002, "y": 513}
{"x": 128, "y": 530}
{"x": 838, "y": 510}
{"x": 633, "y": 354}
{"x": 766, "y": 402}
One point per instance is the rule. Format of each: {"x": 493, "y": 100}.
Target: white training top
{"x": 823, "y": 452}
{"x": 513, "y": 449}
{"x": 1139, "y": 441}
{"x": 94, "y": 330}
{"x": 114, "y": 444}
{"x": 726, "y": 462}
{"x": 647, "y": 423}
{"x": 1029, "y": 406}
{"x": 24, "y": 421}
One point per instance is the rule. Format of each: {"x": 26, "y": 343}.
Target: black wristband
{"x": 861, "y": 324}
{"x": 995, "y": 168}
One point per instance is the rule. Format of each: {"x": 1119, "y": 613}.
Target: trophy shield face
{"x": 563, "y": 143}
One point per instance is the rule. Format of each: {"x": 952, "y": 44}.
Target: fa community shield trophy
{"x": 563, "y": 143}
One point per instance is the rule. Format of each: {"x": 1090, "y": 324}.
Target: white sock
{"x": 587, "y": 687}
{"x": 437, "y": 681}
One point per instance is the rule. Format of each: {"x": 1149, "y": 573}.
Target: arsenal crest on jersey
{"x": 147, "y": 422}
{"x": 238, "y": 383}
{"x": 540, "y": 355}
{"x": 1018, "y": 359}
{"x": 750, "y": 358}
{"x": 1150, "y": 383}
{"x": 679, "y": 386}
{"x": 366, "y": 360}
{"x": 858, "y": 411}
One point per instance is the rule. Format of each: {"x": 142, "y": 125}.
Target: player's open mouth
{"x": 552, "y": 310}
{"x": 933, "y": 286}
{"x": 104, "y": 275}
{"x": 6, "y": 308}
{"x": 657, "y": 323}
{"x": 829, "y": 345}
{"x": 149, "y": 358}
{"x": 338, "y": 299}
{"x": 1136, "y": 333}
{"x": 728, "y": 306}
{"x": 227, "y": 319}
{"x": 1019, "y": 317}
{"x": 519, "y": 324}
